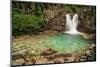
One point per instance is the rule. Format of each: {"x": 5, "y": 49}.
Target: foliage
{"x": 30, "y": 17}
{"x": 26, "y": 23}
{"x": 27, "y": 18}
{"x": 72, "y": 8}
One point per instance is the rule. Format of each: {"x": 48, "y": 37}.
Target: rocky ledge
{"x": 49, "y": 56}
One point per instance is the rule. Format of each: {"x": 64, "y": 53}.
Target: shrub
{"x": 23, "y": 24}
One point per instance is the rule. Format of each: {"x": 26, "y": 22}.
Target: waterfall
{"x": 71, "y": 24}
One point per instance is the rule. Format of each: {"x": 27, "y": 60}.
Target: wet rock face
{"x": 87, "y": 19}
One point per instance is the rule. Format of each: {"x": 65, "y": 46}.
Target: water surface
{"x": 62, "y": 43}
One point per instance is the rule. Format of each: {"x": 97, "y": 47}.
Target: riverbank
{"x": 30, "y": 50}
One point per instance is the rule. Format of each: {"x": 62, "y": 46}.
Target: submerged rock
{"x": 48, "y": 51}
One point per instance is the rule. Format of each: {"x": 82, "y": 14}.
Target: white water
{"x": 71, "y": 24}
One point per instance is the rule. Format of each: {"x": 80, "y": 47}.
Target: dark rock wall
{"x": 87, "y": 20}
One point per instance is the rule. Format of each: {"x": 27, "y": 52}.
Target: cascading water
{"x": 71, "y": 24}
